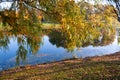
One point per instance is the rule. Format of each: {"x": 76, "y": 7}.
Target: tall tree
{"x": 117, "y": 7}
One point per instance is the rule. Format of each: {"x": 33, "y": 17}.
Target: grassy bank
{"x": 92, "y": 68}
{"x": 50, "y": 26}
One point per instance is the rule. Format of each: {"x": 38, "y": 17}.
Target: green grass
{"x": 50, "y": 25}
{"x": 43, "y": 25}
{"x": 105, "y": 70}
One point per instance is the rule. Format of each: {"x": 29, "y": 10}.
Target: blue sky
{"x": 5, "y": 5}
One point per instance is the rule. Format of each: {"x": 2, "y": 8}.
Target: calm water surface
{"x": 49, "y": 53}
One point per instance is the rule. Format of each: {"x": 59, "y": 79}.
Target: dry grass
{"x": 93, "y": 68}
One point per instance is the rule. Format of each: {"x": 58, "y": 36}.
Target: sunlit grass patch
{"x": 50, "y": 25}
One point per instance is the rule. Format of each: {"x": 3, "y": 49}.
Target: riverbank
{"x": 105, "y": 67}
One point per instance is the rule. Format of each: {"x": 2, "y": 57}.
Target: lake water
{"x": 50, "y": 53}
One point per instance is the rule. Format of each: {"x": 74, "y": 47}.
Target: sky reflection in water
{"x": 49, "y": 53}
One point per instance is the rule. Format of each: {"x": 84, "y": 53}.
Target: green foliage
{"x": 28, "y": 39}
{"x": 4, "y": 41}
{"x": 21, "y": 54}
{"x": 84, "y": 26}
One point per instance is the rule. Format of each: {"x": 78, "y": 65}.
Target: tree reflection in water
{"x": 70, "y": 40}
